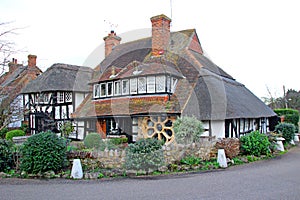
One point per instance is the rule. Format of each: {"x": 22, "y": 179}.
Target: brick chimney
{"x": 110, "y": 41}
{"x": 32, "y": 60}
{"x": 160, "y": 34}
{"x": 13, "y": 65}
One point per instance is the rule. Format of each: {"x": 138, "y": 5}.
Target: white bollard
{"x": 222, "y": 158}
{"x": 279, "y": 145}
{"x": 76, "y": 172}
{"x": 296, "y": 138}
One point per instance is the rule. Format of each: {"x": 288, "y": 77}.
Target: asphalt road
{"x": 277, "y": 178}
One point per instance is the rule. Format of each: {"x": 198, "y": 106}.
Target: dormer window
{"x": 136, "y": 85}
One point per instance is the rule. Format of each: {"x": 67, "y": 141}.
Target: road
{"x": 277, "y": 178}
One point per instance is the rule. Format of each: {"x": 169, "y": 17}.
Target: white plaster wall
{"x": 218, "y": 128}
{"x": 205, "y": 126}
{"x": 79, "y": 97}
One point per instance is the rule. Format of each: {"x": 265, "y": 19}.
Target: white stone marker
{"x": 76, "y": 172}
{"x": 279, "y": 145}
{"x": 222, "y": 158}
{"x": 296, "y": 138}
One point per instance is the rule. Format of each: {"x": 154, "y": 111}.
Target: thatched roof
{"x": 61, "y": 77}
{"x": 203, "y": 89}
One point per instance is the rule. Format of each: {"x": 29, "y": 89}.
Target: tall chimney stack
{"x": 32, "y": 60}
{"x": 160, "y": 34}
{"x": 110, "y": 41}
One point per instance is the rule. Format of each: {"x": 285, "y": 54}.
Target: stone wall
{"x": 173, "y": 153}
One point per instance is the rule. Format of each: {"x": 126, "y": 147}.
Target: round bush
{"x": 6, "y": 161}
{"x": 93, "y": 140}
{"x": 255, "y": 143}
{"x": 287, "y": 130}
{"x": 187, "y": 130}
{"x": 14, "y": 133}
{"x": 145, "y": 154}
{"x": 43, "y": 152}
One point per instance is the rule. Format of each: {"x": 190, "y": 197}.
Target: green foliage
{"x": 66, "y": 129}
{"x": 237, "y": 161}
{"x": 6, "y": 156}
{"x": 118, "y": 141}
{"x": 255, "y": 143}
{"x": 187, "y": 130}
{"x": 290, "y": 116}
{"x": 190, "y": 160}
{"x": 287, "y": 130}
{"x": 3, "y": 133}
{"x": 145, "y": 154}
{"x": 43, "y": 152}
{"x": 93, "y": 140}
{"x": 14, "y": 133}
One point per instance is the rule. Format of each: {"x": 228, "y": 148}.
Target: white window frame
{"x": 125, "y": 90}
{"x": 173, "y": 84}
{"x": 150, "y": 84}
{"x": 108, "y": 90}
{"x": 163, "y": 86}
{"x": 60, "y": 97}
{"x": 68, "y": 100}
{"x": 142, "y": 85}
{"x": 117, "y": 88}
{"x": 103, "y": 85}
{"x": 96, "y": 90}
{"x": 133, "y": 86}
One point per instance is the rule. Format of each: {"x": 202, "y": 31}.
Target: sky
{"x": 255, "y": 41}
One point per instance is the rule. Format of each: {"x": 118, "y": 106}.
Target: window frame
{"x": 133, "y": 88}
{"x": 157, "y": 84}
{"x": 101, "y": 85}
{"x": 117, "y": 88}
{"x": 109, "y": 91}
{"x": 127, "y": 86}
{"x": 142, "y": 85}
{"x": 151, "y": 85}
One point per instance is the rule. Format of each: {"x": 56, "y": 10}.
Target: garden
{"x": 46, "y": 155}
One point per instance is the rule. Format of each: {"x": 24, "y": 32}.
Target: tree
{"x": 6, "y": 45}
{"x": 9, "y": 100}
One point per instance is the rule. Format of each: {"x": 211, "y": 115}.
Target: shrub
{"x": 187, "y": 130}
{"x": 290, "y": 116}
{"x": 43, "y": 152}
{"x": 145, "y": 154}
{"x": 6, "y": 157}
{"x": 287, "y": 130}
{"x": 3, "y": 133}
{"x": 14, "y": 133}
{"x": 93, "y": 140}
{"x": 117, "y": 141}
{"x": 255, "y": 143}
{"x": 190, "y": 160}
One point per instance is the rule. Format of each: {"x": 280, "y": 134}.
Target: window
{"x": 60, "y": 97}
{"x": 125, "y": 86}
{"x": 96, "y": 90}
{"x": 150, "y": 84}
{"x": 160, "y": 83}
{"x": 68, "y": 96}
{"x": 109, "y": 88}
{"x": 46, "y": 98}
{"x": 117, "y": 87}
{"x": 168, "y": 84}
{"x": 173, "y": 84}
{"x": 133, "y": 86}
{"x": 102, "y": 90}
{"x": 142, "y": 85}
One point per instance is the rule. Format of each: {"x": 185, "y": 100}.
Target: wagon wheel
{"x": 160, "y": 127}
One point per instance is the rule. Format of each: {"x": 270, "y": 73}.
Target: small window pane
{"x": 150, "y": 84}
{"x": 109, "y": 89}
{"x": 160, "y": 83}
{"x": 173, "y": 84}
{"x": 168, "y": 84}
{"x": 96, "y": 91}
{"x": 68, "y": 96}
{"x": 133, "y": 86}
{"x": 125, "y": 86}
{"x": 60, "y": 97}
{"x": 117, "y": 88}
{"x": 103, "y": 90}
{"x": 142, "y": 84}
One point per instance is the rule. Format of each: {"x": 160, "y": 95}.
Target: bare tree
{"x": 7, "y": 47}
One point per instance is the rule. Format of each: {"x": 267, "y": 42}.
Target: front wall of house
{"x": 218, "y": 128}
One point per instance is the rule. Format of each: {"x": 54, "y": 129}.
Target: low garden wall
{"x": 205, "y": 149}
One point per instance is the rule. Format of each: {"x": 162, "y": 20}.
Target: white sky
{"x": 255, "y": 41}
